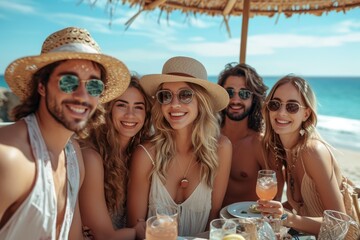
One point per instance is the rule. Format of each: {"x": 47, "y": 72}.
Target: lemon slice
{"x": 233, "y": 237}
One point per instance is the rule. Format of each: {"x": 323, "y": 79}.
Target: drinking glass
{"x": 167, "y": 211}
{"x": 163, "y": 228}
{"x": 335, "y": 225}
{"x": 221, "y": 227}
{"x": 246, "y": 227}
{"x": 266, "y": 185}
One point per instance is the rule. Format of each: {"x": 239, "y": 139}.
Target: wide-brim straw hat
{"x": 66, "y": 44}
{"x": 185, "y": 69}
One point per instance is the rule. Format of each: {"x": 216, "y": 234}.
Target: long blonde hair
{"x": 105, "y": 140}
{"x": 204, "y": 138}
{"x": 271, "y": 140}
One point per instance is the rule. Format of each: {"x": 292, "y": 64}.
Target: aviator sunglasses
{"x": 69, "y": 83}
{"x": 291, "y": 107}
{"x": 244, "y": 94}
{"x": 166, "y": 96}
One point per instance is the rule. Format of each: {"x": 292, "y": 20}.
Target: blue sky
{"x": 306, "y": 45}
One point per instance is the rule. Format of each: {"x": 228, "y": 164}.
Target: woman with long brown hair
{"x": 106, "y": 153}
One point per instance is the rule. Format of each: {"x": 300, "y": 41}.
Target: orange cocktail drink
{"x": 266, "y": 185}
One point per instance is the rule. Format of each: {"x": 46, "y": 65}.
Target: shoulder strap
{"x": 147, "y": 152}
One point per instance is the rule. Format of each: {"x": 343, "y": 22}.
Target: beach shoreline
{"x": 349, "y": 162}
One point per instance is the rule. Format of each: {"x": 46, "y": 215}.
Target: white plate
{"x": 241, "y": 210}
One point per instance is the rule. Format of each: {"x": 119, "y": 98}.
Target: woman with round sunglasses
{"x": 297, "y": 152}
{"x": 187, "y": 163}
{"x": 106, "y": 152}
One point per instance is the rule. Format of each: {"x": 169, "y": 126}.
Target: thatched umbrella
{"x": 246, "y": 8}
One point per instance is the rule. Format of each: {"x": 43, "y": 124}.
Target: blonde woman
{"x": 106, "y": 153}
{"x": 187, "y": 164}
{"x": 295, "y": 149}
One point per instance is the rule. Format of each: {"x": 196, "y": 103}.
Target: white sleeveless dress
{"x": 36, "y": 217}
{"x": 193, "y": 212}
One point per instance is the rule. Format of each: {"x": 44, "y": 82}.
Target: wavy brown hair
{"x": 204, "y": 138}
{"x": 105, "y": 140}
{"x": 255, "y": 84}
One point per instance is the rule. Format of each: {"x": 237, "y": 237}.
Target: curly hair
{"x": 271, "y": 140}
{"x": 104, "y": 139}
{"x": 255, "y": 84}
{"x": 205, "y": 135}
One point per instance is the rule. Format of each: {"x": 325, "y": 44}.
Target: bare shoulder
{"x": 144, "y": 150}
{"x": 17, "y": 166}
{"x": 256, "y": 137}
{"x": 14, "y": 134}
{"x": 14, "y": 144}
{"x": 92, "y": 159}
{"x": 224, "y": 149}
{"x": 316, "y": 155}
{"x": 224, "y": 141}
{"x": 142, "y": 158}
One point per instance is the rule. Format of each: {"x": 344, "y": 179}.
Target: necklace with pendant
{"x": 290, "y": 168}
{"x": 184, "y": 182}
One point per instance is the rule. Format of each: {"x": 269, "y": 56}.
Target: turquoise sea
{"x": 338, "y": 107}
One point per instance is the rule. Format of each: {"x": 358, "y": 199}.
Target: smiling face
{"x": 128, "y": 113}
{"x": 283, "y": 122}
{"x": 72, "y": 110}
{"x": 238, "y": 109}
{"x": 179, "y": 115}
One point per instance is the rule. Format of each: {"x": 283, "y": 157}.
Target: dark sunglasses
{"x": 291, "y": 107}
{"x": 166, "y": 96}
{"x": 244, "y": 94}
{"x": 69, "y": 83}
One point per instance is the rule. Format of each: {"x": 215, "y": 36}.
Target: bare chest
{"x": 60, "y": 180}
{"x": 244, "y": 165}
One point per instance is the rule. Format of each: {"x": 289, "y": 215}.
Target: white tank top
{"x": 193, "y": 212}
{"x": 36, "y": 216}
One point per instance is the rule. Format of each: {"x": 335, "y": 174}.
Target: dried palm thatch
{"x": 257, "y": 7}
{"x": 245, "y": 8}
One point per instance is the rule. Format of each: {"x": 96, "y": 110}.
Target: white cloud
{"x": 264, "y": 44}
{"x": 346, "y": 26}
{"x": 268, "y": 43}
{"x": 17, "y": 7}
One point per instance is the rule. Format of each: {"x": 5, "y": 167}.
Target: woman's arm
{"x": 222, "y": 177}
{"x": 138, "y": 190}
{"x": 319, "y": 166}
{"x": 94, "y": 212}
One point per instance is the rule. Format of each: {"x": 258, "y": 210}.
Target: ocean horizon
{"x": 338, "y": 108}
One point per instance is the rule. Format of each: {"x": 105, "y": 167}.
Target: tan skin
{"x": 247, "y": 157}
{"x": 129, "y": 109}
{"x": 17, "y": 164}
{"x": 141, "y": 166}
{"x": 316, "y": 159}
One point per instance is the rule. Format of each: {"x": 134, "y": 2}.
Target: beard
{"x": 56, "y": 111}
{"x": 238, "y": 116}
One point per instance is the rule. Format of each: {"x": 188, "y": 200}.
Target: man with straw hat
{"x": 41, "y": 168}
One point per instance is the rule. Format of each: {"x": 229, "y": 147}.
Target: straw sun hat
{"x": 185, "y": 69}
{"x": 68, "y": 43}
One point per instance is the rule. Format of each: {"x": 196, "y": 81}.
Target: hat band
{"x": 180, "y": 74}
{"x": 75, "y": 47}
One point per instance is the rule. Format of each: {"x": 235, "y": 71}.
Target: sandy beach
{"x": 349, "y": 161}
